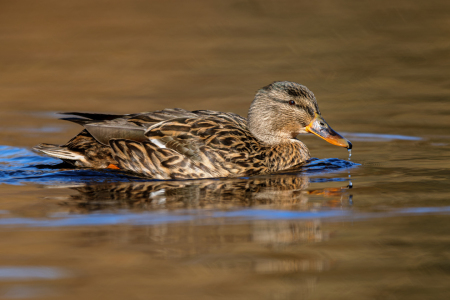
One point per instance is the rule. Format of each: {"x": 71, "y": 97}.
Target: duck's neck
{"x": 263, "y": 126}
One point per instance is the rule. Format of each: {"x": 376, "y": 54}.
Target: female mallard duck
{"x": 180, "y": 144}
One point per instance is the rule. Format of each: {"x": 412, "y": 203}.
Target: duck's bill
{"x": 319, "y": 127}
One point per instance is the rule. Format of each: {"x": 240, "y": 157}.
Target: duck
{"x": 179, "y": 144}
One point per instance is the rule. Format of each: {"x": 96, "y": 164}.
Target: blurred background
{"x": 381, "y": 73}
{"x": 389, "y": 59}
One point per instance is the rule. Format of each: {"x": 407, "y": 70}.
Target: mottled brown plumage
{"x": 180, "y": 144}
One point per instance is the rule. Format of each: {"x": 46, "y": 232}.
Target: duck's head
{"x": 282, "y": 110}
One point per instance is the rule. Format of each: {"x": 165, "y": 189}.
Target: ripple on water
{"x": 31, "y": 273}
{"x": 20, "y": 165}
{"x": 193, "y": 216}
{"x": 374, "y": 137}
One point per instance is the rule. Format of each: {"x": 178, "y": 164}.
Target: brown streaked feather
{"x": 147, "y": 159}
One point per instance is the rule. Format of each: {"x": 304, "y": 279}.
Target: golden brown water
{"x": 380, "y": 72}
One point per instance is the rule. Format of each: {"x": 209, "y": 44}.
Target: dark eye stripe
{"x": 307, "y": 109}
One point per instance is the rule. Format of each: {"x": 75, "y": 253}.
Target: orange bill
{"x": 319, "y": 127}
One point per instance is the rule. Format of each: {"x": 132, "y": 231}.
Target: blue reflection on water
{"x": 154, "y": 218}
{"x": 202, "y": 217}
{"x": 43, "y": 129}
{"x": 20, "y": 165}
{"x": 31, "y": 273}
{"x": 373, "y": 137}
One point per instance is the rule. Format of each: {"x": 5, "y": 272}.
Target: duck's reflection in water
{"x": 205, "y": 246}
{"x": 280, "y": 248}
{"x": 276, "y": 191}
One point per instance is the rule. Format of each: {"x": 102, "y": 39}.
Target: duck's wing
{"x": 205, "y": 146}
{"x": 104, "y": 127}
{"x": 90, "y": 148}
{"x": 172, "y": 143}
{"x": 225, "y": 133}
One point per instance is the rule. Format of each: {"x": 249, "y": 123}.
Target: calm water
{"x": 375, "y": 227}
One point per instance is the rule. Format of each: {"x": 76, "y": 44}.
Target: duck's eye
{"x": 291, "y": 102}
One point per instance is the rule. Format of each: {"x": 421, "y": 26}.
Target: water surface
{"x": 375, "y": 227}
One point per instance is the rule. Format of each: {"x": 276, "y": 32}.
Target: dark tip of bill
{"x": 349, "y": 145}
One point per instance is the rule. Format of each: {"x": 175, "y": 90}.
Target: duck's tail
{"x": 60, "y": 152}
{"x": 81, "y": 151}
